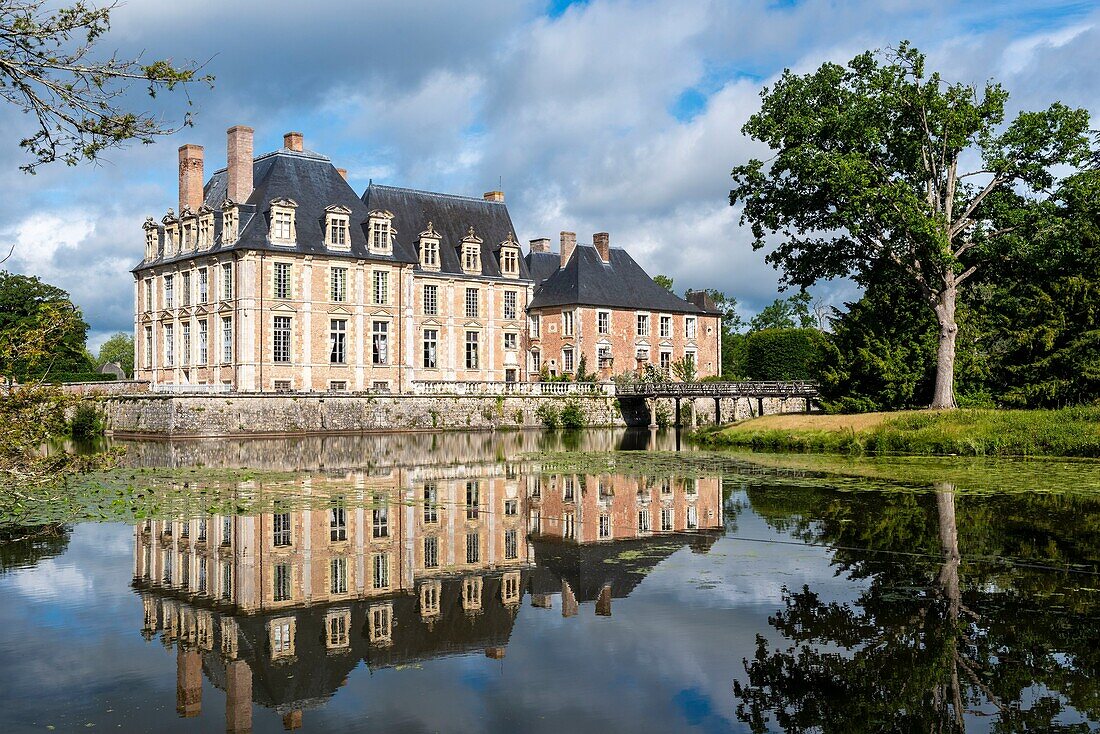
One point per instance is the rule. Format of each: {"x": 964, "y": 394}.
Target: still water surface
{"x": 476, "y": 582}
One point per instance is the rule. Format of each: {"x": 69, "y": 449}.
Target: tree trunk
{"x": 944, "y": 395}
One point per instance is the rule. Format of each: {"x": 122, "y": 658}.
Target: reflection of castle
{"x": 279, "y": 608}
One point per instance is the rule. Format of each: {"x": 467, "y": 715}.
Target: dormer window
{"x": 206, "y": 230}
{"x": 282, "y": 221}
{"x": 509, "y": 261}
{"x": 381, "y": 232}
{"x": 429, "y": 248}
{"x": 338, "y": 227}
{"x": 151, "y": 238}
{"x": 471, "y": 253}
{"x": 188, "y": 234}
{"x": 229, "y": 223}
{"x": 171, "y": 234}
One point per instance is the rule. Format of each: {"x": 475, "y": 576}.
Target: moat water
{"x": 595, "y": 582}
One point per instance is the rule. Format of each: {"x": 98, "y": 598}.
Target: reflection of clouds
{"x": 50, "y": 580}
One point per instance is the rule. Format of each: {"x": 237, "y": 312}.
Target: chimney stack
{"x": 542, "y": 244}
{"x": 343, "y": 173}
{"x": 602, "y": 241}
{"x": 238, "y": 163}
{"x": 568, "y": 244}
{"x": 293, "y": 141}
{"x": 190, "y": 177}
{"x": 494, "y": 196}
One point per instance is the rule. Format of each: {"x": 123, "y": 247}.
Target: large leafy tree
{"x": 41, "y": 332}
{"x": 49, "y": 68}
{"x": 119, "y": 348}
{"x": 785, "y": 313}
{"x": 869, "y": 167}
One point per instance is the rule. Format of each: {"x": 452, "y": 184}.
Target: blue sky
{"x": 604, "y": 115}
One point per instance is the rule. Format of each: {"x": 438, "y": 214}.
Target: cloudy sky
{"x": 607, "y": 115}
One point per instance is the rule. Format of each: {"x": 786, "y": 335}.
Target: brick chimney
{"x": 542, "y": 244}
{"x": 238, "y": 163}
{"x": 190, "y": 177}
{"x": 293, "y": 141}
{"x": 568, "y": 244}
{"x": 602, "y": 241}
{"x": 343, "y": 173}
{"x": 494, "y": 196}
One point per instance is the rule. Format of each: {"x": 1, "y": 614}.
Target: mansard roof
{"x": 586, "y": 280}
{"x": 452, "y": 217}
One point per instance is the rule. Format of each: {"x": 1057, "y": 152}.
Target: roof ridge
{"x": 432, "y": 193}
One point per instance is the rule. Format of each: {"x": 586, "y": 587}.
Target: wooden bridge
{"x": 751, "y": 389}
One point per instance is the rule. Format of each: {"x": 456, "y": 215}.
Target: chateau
{"x": 274, "y": 275}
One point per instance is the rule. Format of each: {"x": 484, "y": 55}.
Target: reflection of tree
{"x": 26, "y": 545}
{"x": 932, "y": 640}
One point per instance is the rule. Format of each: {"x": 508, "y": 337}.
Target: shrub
{"x": 572, "y": 417}
{"x": 783, "y": 354}
{"x": 548, "y": 414}
{"x": 86, "y": 423}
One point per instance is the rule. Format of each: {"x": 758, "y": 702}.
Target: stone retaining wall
{"x": 272, "y": 413}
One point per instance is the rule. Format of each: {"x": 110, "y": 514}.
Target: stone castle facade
{"x": 274, "y": 275}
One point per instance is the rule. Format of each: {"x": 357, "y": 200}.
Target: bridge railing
{"x": 740, "y": 389}
{"x": 461, "y": 387}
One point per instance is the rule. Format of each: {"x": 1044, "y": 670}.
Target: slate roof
{"x": 586, "y": 280}
{"x": 452, "y": 217}
{"x": 313, "y": 183}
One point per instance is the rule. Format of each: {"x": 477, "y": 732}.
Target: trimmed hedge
{"x": 783, "y": 354}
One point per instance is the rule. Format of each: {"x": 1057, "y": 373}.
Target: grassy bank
{"x": 1067, "y": 432}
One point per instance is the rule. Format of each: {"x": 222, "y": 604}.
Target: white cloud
{"x": 50, "y": 580}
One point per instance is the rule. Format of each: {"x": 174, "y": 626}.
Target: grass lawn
{"x": 1066, "y": 432}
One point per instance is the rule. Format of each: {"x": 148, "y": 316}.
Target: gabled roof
{"x": 542, "y": 265}
{"x": 586, "y": 280}
{"x": 452, "y": 217}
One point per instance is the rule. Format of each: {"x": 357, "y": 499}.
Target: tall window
{"x": 473, "y": 548}
{"x": 380, "y": 518}
{"x": 605, "y": 526}
{"x": 281, "y": 528}
{"x": 148, "y": 288}
{"x": 380, "y": 342}
{"x": 281, "y": 339}
{"x": 603, "y": 322}
{"x": 148, "y": 346}
{"x": 282, "y": 582}
{"x": 431, "y": 506}
{"x": 185, "y": 346}
{"x": 185, "y": 287}
{"x": 569, "y": 526}
{"x": 282, "y": 224}
{"x": 339, "y": 285}
{"x": 471, "y": 350}
{"x": 536, "y": 361}
{"x": 338, "y": 573}
{"x": 204, "y": 285}
{"x": 471, "y": 303}
{"x": 511, "y": 546}
{"x": 472, "y": 499}
{"x": 666, "y": 518}
{"x": 567, "y": 362}
{"x": 431, "y": 300}
{"x": 509, "y": 305}
{"x": 431, "y": 342}
{"x": 567, "y": 323}
{"x": 169, "y": 295}
{"x": 227, "y": 580}
{"x": 282, "y": 280}
{"x": 338, "y": 623}
{"x": 338, "y": 521}
{"x": 643, "y": 521}
{"x": 338, "y": 231}
{"x": 227, "y": 339}
{"x": 381, "y": 619}
{"x": 380, "y": 579}
{"x": 204, "y": 341}
{"x": 643, "y": 324}
{"x": 690, "y": 326}
{"x": 666, "y": 327}
{"x": 534, "y": 324}
{"x": 227, "y": 281}
{"x": 337, "y": 339}
{"x": 381, "y": 290}
{"x": 431, "y": 552}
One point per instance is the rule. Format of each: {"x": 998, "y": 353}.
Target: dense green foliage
{"x": 868, "y": 170}
{"x": 785, "y": 313}
{"x": 1065, "y": 432}
{"x": 119, "y": 348}
{"x": 41, "y": 331}
{"x": 783, "y": 354}
{"x": 572, "y": 417}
